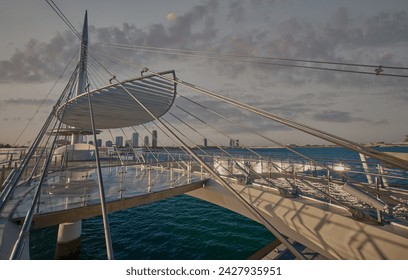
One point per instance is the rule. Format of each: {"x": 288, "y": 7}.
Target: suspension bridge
{"x": 338, "y": 210}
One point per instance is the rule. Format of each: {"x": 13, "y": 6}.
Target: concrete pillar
{"x": 76, "y": 138}
{"x": 68, "y": 240}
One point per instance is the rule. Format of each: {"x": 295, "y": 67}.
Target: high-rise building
{"x": 154, "y": 138}
{"x": 146, "y": 141}
{"x": 128, "y": 143}
{"x": 108, "y": 143}
{"x": 99, "y": 143}
{"x": 232, "y": 143}
{"x": 135, "y": 139}
{"x": 237, "y": 143}
{"x": 119, "y": 141}
{"x": 205, "y": 142}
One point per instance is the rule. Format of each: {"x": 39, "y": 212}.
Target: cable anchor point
{"x": 378, "y": 70}
{"x": 144, "y": 71}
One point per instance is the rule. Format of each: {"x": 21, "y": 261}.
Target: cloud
{"x": 382, "y": 122}
{"x": 236, "y": 11}
{"x": 39, "y": 62}
{"x": 342, "y": 117}
{"x": 376, "y": 39}
{"x": 15, "y": 119}
{"x": 26, "y": 101}
{"x": 171, "y": 16}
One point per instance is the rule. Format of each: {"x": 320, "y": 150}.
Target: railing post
{"x": 3, "y": 176}
{"x": 149, "y": 179}
{"x": 294, "y": 178}
{"x": 168, "y": 160}
{"x": 328, "y": 184}
{"x": 383, "y": 181}
{"x": 189, "y": 168}
{"x": 121, "y": 172}
{"x": 171, "y": 178}
{"x": 379, "y": 213}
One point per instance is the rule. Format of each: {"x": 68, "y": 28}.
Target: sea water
{"x": 181, "y": 227}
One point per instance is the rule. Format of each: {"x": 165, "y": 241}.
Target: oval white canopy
{"x": 113, "y": 107}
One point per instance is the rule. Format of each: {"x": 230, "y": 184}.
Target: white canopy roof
{"x": 113, "y": 107}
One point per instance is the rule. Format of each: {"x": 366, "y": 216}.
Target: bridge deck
{"x": 73, "y": 194}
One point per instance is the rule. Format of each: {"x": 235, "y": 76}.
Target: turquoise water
{"x": 180, "y": 227}
{"x": 177, "y": 228}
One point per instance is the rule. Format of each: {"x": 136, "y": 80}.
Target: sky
{"x": 36, "y": 45}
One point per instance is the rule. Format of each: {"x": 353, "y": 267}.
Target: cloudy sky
{"x": 36, "y": 45}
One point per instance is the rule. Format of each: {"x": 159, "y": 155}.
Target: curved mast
{"x": 83, "y": 56}
{"x": 82, "y": 78}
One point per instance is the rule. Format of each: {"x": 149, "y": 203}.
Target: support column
{"x": 366, "y": 169}
{"x": 68, "y": 241}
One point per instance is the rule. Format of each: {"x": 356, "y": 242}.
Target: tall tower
{"x": 69, "y": 234}
{"x": 146, "y": 141}
{"x": 135, "y": 139}
{"x": 82, "y": 78}
{"x": 119, "y": 141}
{"x": 154, "y": 138}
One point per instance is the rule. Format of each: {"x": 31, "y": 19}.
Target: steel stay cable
{"x": 187, "y": 52}
{"x": 150, "y": 151}
{"x": 45, "y": 98}
{"x": 8, "y": 190}
{"x": 342, "y": 175}
{"x": 105, "y": 218}
{"x": 256, "y": 213}
{"x": 20, "y": 242}
{"x": 232, "y": 157}
{"x": 181, "y": 148}
{"x": 270, "y": 227}
{"x": 272, "y": 141}
{"x": 131, "y": 146}
{"x": 297, "y": 66}
{"x": 63, "y": 17}
{"x": 228, "y": 136}
{"x": 309, "y": 130}
{"x": 117, "y": 148}
{"x": 165, "y": 149}
{"x": 204, "y": 152}
{"x": 334, "y": 140}
{"x": 312, "y": 131}
{"x": 301, "y": 178}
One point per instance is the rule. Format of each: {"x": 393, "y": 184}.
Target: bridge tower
{"x": 69, "y": 234}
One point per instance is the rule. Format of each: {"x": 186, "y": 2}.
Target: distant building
{"x": 128, "y": 143}
{"x": 232, "y": 143}
{"x": 135, "y": 139}
{"x": 108, "y": 143}
{"x": 154, "y": 138}
{"x": 119, "y": 141}
{"x": 146, "y": 141}
{"x": 237, "y": 143}
{"x": 205, "y": 142}
{"x": 99, "y": 143}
